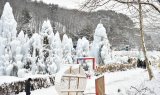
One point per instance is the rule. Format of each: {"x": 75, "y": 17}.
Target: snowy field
{"x": 127, "y": 81}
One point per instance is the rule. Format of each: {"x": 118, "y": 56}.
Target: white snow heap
{"x": 8, "y": 23}
{"x": 101, "y": 47}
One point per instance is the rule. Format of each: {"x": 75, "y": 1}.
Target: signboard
{"x": 100, "y": 86}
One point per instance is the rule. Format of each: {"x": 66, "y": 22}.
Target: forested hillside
{"x": 76, "y": 24}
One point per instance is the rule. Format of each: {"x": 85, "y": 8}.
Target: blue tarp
{"x": 74, "y": 46}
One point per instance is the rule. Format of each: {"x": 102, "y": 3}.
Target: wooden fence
{"x": 115, "y": 66}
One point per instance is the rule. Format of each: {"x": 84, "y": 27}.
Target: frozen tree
{"x": 83, "y": 51}
{"x": 57, "y": 52}
{"x": 7, "y": 48}
{"x": 100, "y": 47}
{"x": 66, "y": 47}
{"x": 8, "y": 23}
{"x": 52, "y": 48}
{"x": 36, "y": 45}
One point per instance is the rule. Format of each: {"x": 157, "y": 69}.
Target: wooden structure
{"x": 100, "y": 86}
{"x": 70, "y": 80}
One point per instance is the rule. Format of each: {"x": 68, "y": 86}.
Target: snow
{"x": 21, "y": 73}
{"x": 8, "y": 69}
{"x": 44, "y": 91}
{"x": 8, "y": 23}
{"x": 122, "y": 80}
{"x": 28, "y": 74}
{"x": 16, "y": 52}
{"x": 100, "y": 47}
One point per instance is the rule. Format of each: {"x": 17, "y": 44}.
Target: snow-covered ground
{"x": 43, "y": 91}
{"x": 123, "y": 80}
{"x": 9, "y": 79}
{"x": 127, "y": 81}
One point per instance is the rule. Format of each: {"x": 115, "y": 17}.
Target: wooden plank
{"x": 100, "y": 86}
{"x": 70, "y": 69}
{"x": 70, "y": 91}
{"x": 78, "y": 83}
{"x": 74, "y": 76}
{"x": 69, "y": 82}
{"x": 79, "y": 68}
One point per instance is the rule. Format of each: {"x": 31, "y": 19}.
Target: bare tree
{"x": 136, "y": 9}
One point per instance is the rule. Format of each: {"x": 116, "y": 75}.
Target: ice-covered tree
{"x": 52, "y": 48}
{"x": 12, "y": 50}
{"x": 67, "y": 50}
{"x": 101, "y": 47}
{"x": 57, "y": 51}
{"x": 9, "y": 24}
{"x": 83, "y": 51}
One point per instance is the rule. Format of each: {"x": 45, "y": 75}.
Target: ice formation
{"x": 8, "y": 23}
{"x": 83, "y": 51}
{"x": 67, "y": 49}
{"x": 21, "y": 73}
{"x": 101, "y": 47}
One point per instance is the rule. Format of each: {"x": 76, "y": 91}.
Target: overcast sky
{"x": 71, "y": 4}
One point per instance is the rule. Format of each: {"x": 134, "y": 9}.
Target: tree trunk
{"x": 142, "y": 41}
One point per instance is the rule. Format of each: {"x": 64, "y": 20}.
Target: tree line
{"x": 75, "y": 23}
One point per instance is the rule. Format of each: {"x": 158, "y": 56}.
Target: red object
{"x": 87, "y": 59}
{"x": 88, "y": 75}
